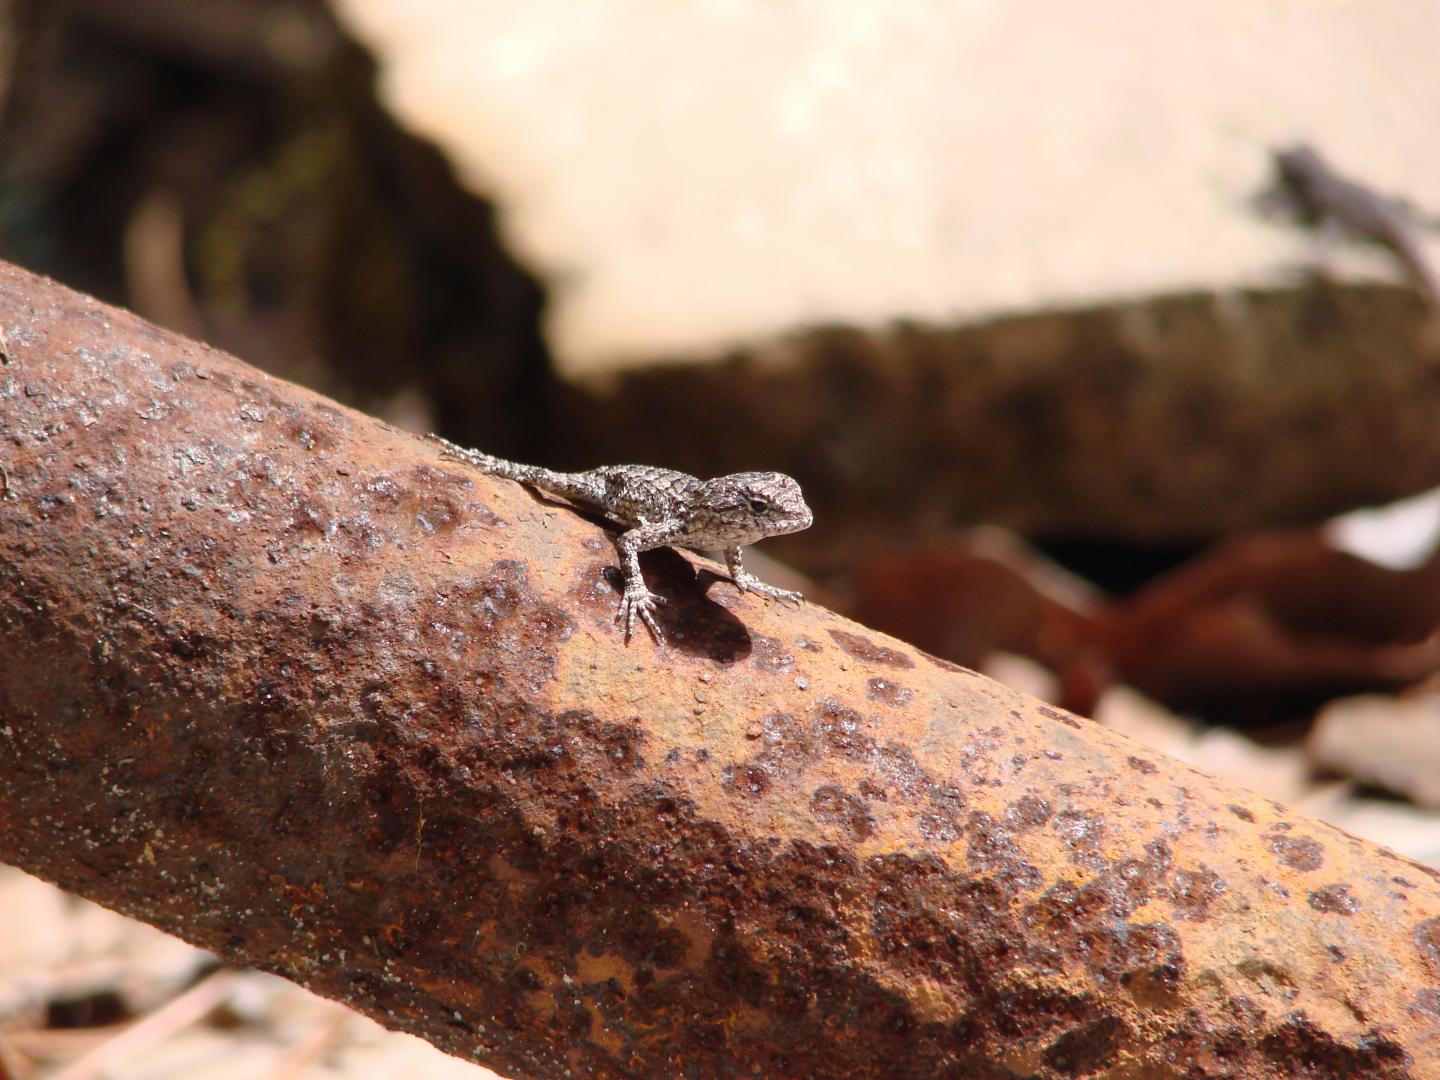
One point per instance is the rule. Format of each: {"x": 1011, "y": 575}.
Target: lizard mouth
{"x": 790, "y": 523}
{"x": 799, "y": 522}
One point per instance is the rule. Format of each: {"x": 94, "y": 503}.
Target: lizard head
{"x": 745, "y": 507}
{"x": 1299, "y": 162}
{"x": 1299, "y": 172}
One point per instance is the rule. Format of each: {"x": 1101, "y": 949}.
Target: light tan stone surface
{"x": 692, "y": 176}
{"x": 1389, "y": 741}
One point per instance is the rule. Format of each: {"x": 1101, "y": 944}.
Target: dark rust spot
{"x": 1301, "y": 1048}
{"x": 770, "y": 655}
{"x": 862, "y": 648}
{"x": 1140, "y": 765}
{"x": 1028, "y": 812}
{"x": 871, "y": 790}
{"x": 1086, "y": 1051}
{"x": 888, "y": 692}
{"x": 1156, "y": 963}
{"x": 1427, "y": 942}
{"x": 1297, "y": 852}
{"x": 571, "y": 1018}
{"x": 1334, "y": 900}
{"x": 938, "y": 828}
{"x": 1129, "y": 883}
{"x": 832, "y": 805}
{"x": 747, "y": 780}
{"x": 524, "y": 978}
{"x": 1081, "y": 832}
{"x": 946, "y": 665}
{"x": 1056, "y": 714}
{"x": 841, "y": 731}
{"x": 1193, "y": 891}
{"x": 992, "y": 849}
{"x": 1241, "y": 812}
{"x": 501, "y": 605}
{"x": 618, "y": 743}
{"x": 436, "y": 516}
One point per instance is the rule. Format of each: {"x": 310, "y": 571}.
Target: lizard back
{"x": 644, "y": 493}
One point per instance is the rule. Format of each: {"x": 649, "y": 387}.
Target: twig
{"x": 178, "y": 1013}
{"x": 13, "y": 1066}
{"x": 320, "y": 1042}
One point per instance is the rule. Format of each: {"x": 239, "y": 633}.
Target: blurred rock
{"x": 1391, "y": 742}
{"x": 1402, "y": 536}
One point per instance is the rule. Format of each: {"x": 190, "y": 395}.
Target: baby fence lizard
{"x": 660, "y": 508}
{"x": 1314, "y": 193}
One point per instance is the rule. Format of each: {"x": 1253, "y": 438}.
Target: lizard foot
{"x": 785, "y": 596}
{"x": 639, "y": 601}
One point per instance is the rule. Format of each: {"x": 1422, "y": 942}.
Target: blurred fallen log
{"x": 276, "y": 679}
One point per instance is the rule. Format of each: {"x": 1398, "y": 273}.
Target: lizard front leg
{"x": 637, "y": 599}
{"x": 747, "y": 582}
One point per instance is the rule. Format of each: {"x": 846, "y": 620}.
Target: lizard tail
{"x": 486, "y": 463}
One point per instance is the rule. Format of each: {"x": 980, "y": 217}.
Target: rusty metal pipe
{"x": 277, "y": 679}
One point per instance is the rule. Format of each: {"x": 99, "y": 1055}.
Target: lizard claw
{"x": 786, "y": 596}
{"x": 639, "y": 601}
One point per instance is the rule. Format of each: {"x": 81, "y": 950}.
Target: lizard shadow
{"x": 689, "y": 620}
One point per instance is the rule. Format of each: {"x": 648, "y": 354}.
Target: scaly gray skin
{"x": 661, "y": 507}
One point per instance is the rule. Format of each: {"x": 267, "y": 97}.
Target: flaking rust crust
{"x": 275, "y": 678}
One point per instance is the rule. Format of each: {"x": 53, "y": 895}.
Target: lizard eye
{"x": 759, "y": 505}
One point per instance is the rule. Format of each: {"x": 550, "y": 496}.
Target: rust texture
{"x": 275, "y": 678}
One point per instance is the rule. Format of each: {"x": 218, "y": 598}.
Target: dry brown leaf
{"x": 1273, "y": 621}
{"x": 985, "y": 591}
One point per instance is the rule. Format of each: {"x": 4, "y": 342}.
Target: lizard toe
{"x": 639, "y": 603}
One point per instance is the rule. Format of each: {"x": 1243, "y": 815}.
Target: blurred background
{"x": 1083, "y": 395}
